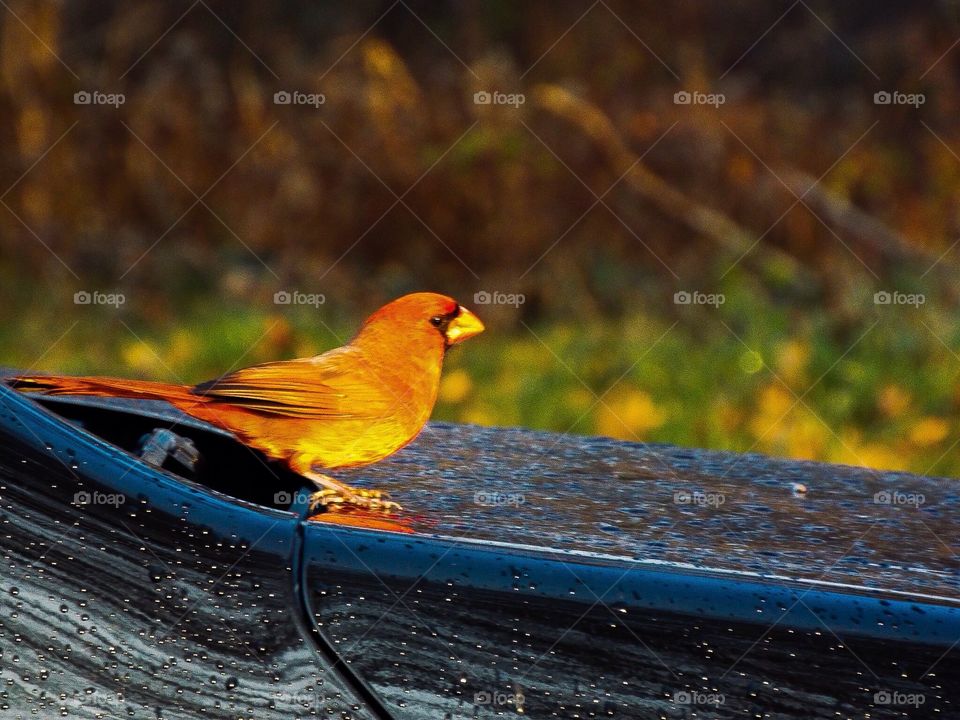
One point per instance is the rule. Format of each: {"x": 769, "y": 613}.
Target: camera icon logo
{"x": 682, "y": 297}
{"x": 882, "y": 97}
{"x": 481, "y": 298}
{"x": 482, "y": 98}
{"x": 282, "y": 498}
{"x": 682, "y": 97}
{"x": 282, "y": 297}
{"x": 282, "y": 97}
{"x": 882, "y": 297}
{"x": 82, "y": 297}
{"x": 81, "y": 498}
{"x": 82, "y": 97}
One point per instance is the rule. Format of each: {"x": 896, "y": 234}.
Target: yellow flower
{"x": 140, "y": 357}
{"x": 893, "y": 400}
{"x": 929, "y": 431}
{"x": 874, "y": 455}
{"x": 792, "y": 360}
{"x": 774, "y": 403}
{"x": 478, "y": 416}
{"x": 183, "y": 346}
{"x": 455, "y": 386}
{"x": 628, "y": 414}
{"x": 783, "y": 426}
{"x": 807, "y": 437}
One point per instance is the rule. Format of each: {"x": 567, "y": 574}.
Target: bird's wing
{"x": 338, "y": 384}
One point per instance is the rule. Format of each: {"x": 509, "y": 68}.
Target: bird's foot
{"x": 338, "y": 497}
{"x": 335, "y": 495}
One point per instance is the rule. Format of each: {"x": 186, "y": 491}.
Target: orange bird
{"x": 350, "y": 406}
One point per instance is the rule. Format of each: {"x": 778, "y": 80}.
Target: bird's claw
{"x": 332, "y": 500}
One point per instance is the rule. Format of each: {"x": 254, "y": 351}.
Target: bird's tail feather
{"x": 112, "y": 387}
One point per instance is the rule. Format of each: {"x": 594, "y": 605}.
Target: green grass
{"x": 877, "y": 389}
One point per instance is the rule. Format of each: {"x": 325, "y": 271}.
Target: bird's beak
{"x": 464, "y": 325}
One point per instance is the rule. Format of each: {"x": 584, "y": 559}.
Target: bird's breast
{"x": 406, "y": 403}
{"x": 347, "y": 443}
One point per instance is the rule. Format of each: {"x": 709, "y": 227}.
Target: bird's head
{"x": 428, "y": 319}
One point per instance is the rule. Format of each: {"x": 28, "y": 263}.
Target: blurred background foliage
{"x": 597, "y": 199}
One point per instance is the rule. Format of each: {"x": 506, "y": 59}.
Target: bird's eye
{"x": 436, "y": 321}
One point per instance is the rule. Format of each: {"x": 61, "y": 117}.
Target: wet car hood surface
{"x": 661, "y": 503}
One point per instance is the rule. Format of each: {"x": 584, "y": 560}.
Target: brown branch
{"x": 704, "y": 220}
